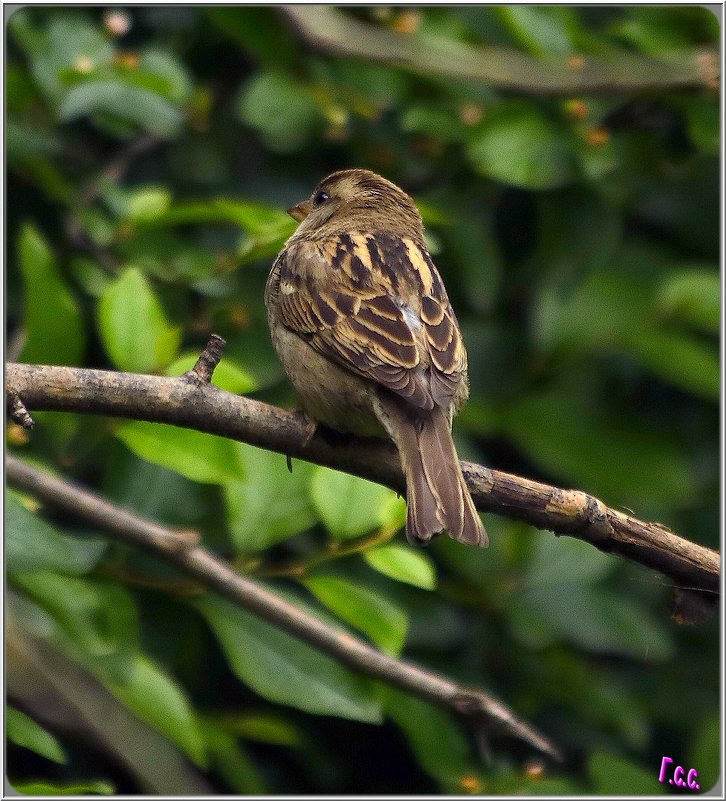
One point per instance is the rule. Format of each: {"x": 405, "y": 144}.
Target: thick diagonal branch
{"x": 204, "y": 407}
{"x": 330, "y": 30}
{"x": 476, "y": 706}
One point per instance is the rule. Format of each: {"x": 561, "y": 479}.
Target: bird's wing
{"x": 376, "y": 305}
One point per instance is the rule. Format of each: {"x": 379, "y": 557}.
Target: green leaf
{"x": 679, "y": 359}
{"x": 702, "y": 118}
{"x": 32, "y": 544}
{"x": 50, "y": 180}
{"x": 186, "y": 212}
{"x": 613, "y": 775}
{"x": 402, "y": 563}
{"x": 281, "y": 110}
{"x": 607, "y": 308}
{"x": 529, "y": 627}
{"x": 483, "y": 567}
{"x": 659, "y": 31}
{"x": 633, "y": 633}
{"x": 693, "y": 296}
{"x": 52, "y": 320}
{"x": 519, "y": 145}
{"x": 262, "y": 246}
{"x": 254, "y": 217}
{"x": 20, "y": 93}
{"x": 25, "y": 142}
{"x": 200, "y": 457}
{"x": 99, "y": 617}
{"x": 598, "y": 157}
{"x": 540, "y": 30}
{"x": 471, "y": 242}
{"x": 598, "y": 313}
{"x": 148, "y": 691}
{"x": 175, "y": 260}
{"x": 137, "y": 77}
{"x": 437, "y": 741}
{"x": 165, "y": 64}
{"x": 651, "y": 469}
{"x": 384, "y": 622}
{"x": 266, "y": 229}
{"x": 432, "y": 121}
{"x": 599, "y": 620}
{"x": 92, "y": 279}
{"x": 148, "y": 202}
{"x": 366, "y": 88}
{"x": 228, "y": 375}
{"x": 705, "y": 752}
{"x": 73, "y": 788}
{"x": 263, "y": 728}
{"x": 142, "y": 108}
{"x": 555, "y": 562}
{"x": 25, "y": 732}
{"x": 285, "y": 670}
{"x": 258, "y": 32}
{"x": 270, "y": 504}
{"x": 156, "y": 493}
{"x": 133, "y": 326}
{"x": 98, "y": 224}
{"x": 232, "y": 761}
{"x": 563, "y": 575}
{"x": 393, "y": 513}
{"x": 565, "y": 241}
{"x": 555, "y": 787}
{"x": 69, "y": 41}
{"x": 348, "y": 506}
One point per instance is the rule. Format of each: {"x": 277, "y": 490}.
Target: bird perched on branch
{"x": 360, "y": 319}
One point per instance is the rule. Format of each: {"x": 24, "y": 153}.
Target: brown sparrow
{"x": 361, "y": 321}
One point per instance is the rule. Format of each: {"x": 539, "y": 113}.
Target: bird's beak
{"x": 300, "y": 211}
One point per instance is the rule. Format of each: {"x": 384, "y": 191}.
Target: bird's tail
{"x": 436, "y": 494}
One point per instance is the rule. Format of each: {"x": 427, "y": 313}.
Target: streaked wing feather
{"x": 346, "y": 308}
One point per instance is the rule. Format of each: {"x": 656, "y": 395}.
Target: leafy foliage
{"x": 151, "y": 154}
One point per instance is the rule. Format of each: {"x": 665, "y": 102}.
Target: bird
{"x": 362, "y": 324}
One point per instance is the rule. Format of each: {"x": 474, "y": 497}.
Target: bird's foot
{"x": 309, "y": 426}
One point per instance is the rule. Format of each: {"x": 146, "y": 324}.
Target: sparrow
{"x": 362, "y": 324}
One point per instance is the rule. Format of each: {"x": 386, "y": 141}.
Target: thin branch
{"x": 81, "y": 239}
{"x": 206, "y": 364}
{"x": 114, "y": 170}
{"x": 17, "y": 411}
{"x": 331, "y": 31}
{"x": 64, "y": 696}
{"x": 177, "y": 401}
{"x": 476, "y": 706}
{"x": 117, "y": 166}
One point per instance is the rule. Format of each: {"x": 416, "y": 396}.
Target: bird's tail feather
{"x": 436, "y": 494}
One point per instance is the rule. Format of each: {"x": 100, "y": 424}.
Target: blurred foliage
{"x": 151, "y": 152}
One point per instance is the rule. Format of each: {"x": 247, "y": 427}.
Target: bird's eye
{"x": 320, "y": 198}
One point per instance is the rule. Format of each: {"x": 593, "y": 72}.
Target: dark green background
{"x": 578, "y": 237}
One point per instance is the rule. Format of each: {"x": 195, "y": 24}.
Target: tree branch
{"x": 16, "y": 409}
{"x": 475, "y": 706}
{"x": 113, "y": 171}
{"x": 202, "y": 406}
{"x": 331, "y": 31}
